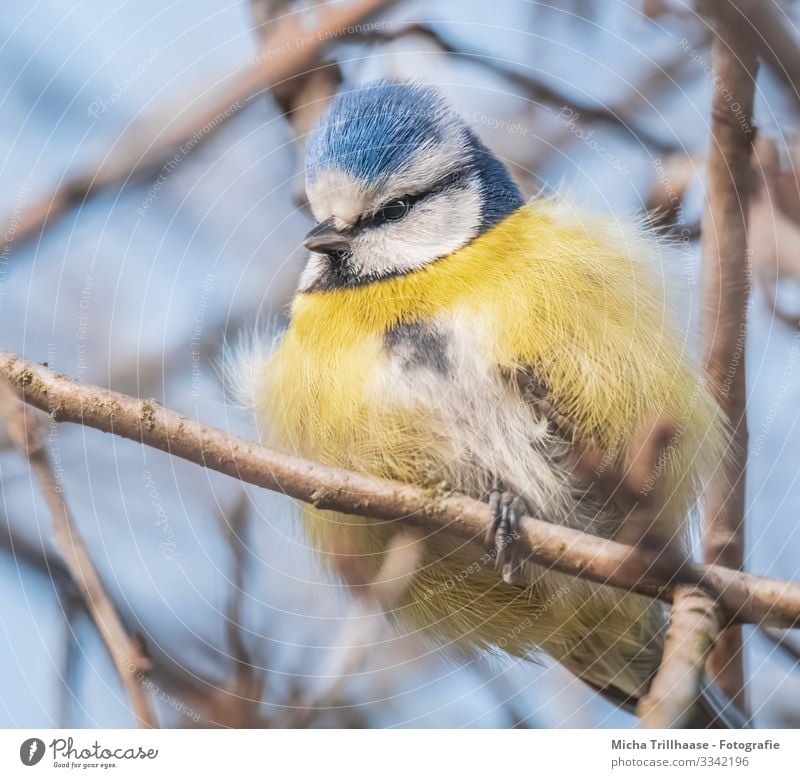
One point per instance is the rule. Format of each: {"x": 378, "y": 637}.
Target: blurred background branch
{"x": 131, "y": 664}
{"x": 748, "y": 597}
{"x": 693, "y": 629}
{"x": 727, "y": 281}
{"x": 607, "y": 98}
{"x": 289, "y": 50}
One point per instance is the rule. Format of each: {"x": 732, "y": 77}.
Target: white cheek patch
{"x": 435, "y": 227}
{"x": 315, "y": 269}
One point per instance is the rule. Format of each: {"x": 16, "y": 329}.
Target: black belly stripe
{"x": 419, "y": 345}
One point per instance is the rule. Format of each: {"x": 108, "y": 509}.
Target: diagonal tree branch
{"x": 748, "y": 598}
{"x": 694, "y": 626}
{"x": 536, "y": 89}
{"x": 297, "y": 42}
{"x": 695, "y": 621}
{"x": 128, "y": 660}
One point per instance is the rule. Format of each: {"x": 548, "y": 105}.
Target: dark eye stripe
{"x": 394, "y": 211}
{"x": 380, "y": 217}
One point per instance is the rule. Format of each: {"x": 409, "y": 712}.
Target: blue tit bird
{"x": 436, "y": 311}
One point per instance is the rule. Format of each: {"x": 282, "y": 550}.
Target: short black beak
{"x": 326, "y": 239}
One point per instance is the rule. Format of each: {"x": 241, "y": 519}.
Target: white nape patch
{"x": 435, "y": 226}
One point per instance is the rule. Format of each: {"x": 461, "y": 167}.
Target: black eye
{"x": 394, "y": 211}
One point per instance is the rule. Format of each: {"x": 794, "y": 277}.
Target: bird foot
{"x": 506, "y": 509}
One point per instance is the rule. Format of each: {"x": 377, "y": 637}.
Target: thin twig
{"x": 382, "y": 595}
{"x": 69, "y": 662}
{"x": 774, "y": 227}
{"x": 694, "y": 623}
{"x": 727, "y": 285}
{"x": 303, "y": 98}
{"x": 240, "y": 704}
{"x": 38, "y": 559}
{"x": 146, "y": 151}
{"x": 749, "y": 598}
{"x": 128, "y": 660}
{"x": 769, "y": 31}
{"x": 784, "y": 640}
{"x": 528, "y": 84}
{"x": 693, "y": 628}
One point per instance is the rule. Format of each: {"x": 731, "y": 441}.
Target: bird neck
{"x": 500, "y": 196}
{"x": 460, "y": 278}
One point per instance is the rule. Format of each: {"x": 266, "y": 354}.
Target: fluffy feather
{"x": 566, "y": 300}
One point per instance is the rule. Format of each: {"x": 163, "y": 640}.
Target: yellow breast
{"x": 567, "y": 297}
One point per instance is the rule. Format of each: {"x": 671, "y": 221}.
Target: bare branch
{"x": 676, "y": 174}
{"x": 144, "y": 151}
{"x": 68, "y": 667}
{"x": 694, "y": 625}
{"x": 38, "y": 559}
{"x": 769, "y": 32}
{"x": 238, "y": 705}
{"x": 403, "y": 556}
{"x": 783, "y": 640}
{"x": 535, "y": 88}
{"x": 774, "y": 226}
{"x": 128, "y": 660}
{"x": 749, "y": 598}
{"x": 694, "y": 618}
{"x": 301, "y": 99}
{"x": 726, "y": 290}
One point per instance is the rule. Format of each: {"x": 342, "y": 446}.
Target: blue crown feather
{"x": 371, "y": 130}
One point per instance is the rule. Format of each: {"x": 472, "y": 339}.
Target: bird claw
{"x": 506, "y": 509}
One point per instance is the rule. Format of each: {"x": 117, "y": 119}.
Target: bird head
{"x": 396, "y": 180}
